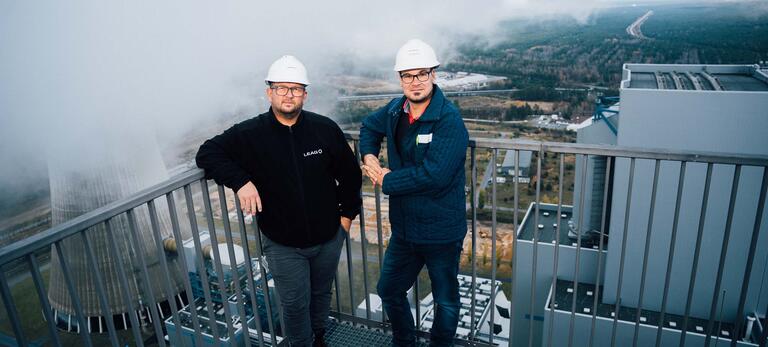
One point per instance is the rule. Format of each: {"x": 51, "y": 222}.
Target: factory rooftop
{"x": 740, "y": 78}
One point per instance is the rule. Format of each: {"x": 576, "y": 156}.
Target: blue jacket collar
{"x": 433, "y": 111}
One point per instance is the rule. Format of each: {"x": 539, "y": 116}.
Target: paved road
{"x": 634, "y": 28}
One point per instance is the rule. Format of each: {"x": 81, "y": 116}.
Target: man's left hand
{"x": 346, "y": 223}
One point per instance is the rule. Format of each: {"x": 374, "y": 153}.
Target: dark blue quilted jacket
{"x": 427, "y": 202}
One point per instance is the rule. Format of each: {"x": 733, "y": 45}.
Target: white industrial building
{"x": 717, "y": 109}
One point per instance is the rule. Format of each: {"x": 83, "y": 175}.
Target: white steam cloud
{"x": 85, "y": 77}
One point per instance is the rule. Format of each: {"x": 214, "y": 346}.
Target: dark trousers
{"x": 303, "y": 277}
{"x": 402, "y": 264}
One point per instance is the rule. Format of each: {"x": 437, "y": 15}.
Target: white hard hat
{"x": 287, "y": 69}
{"x": 415, "y": 54}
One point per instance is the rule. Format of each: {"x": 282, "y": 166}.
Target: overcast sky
{"x": 77, "y": 74}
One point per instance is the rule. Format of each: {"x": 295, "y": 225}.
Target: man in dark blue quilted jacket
{"x": 426, "y": 148}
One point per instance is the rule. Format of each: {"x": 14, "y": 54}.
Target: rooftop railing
{"x": 525, "y": 261}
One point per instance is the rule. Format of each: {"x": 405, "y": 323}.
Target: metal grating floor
{"x": 346, "y": 334}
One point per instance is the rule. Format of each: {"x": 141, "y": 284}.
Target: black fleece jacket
{"x": 306, "y": 174}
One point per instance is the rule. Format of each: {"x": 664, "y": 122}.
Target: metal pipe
{"x": 723, "y": 253}
{"x": 623, "y": 251}
{"x": 265, "y": 284}
{"x": 100, "y": 291}
{"x": 475, "y": 198}
{"x": 154, "y": 315}
{"x": 82, "y": 325}
{"x": 514, "y": 252}
{"x": 176, "y": 229}
{"x": 240, "y": 303}
{"x": 697, "y": 250}
{"x": 556, "y": 237}
{"x": 750, "y": 257}
{"x": 377, "y": 195}
{"x": 576, "y": 266}
{"x": 535, "y": 248}
{"x": 598, "y": 275}
{"x": 249, "y": 283}
{"x": 216, "y": 254}
{"x": 648, "y": 235}
{"x": 199, "y": 261}
{"x": 164, "y": 264}
{"x": 41, "y": 295}
{"x": 132, "y": 312}
{"x": 10, "y": 307}
{"x": 493, "y": 246}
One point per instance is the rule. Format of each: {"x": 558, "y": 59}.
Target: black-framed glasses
{"x": 422, "y": 76}
{"x": 283, "y": 91}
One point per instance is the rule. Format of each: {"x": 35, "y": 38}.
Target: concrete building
{"x": 523, "y": 172}
{"x": 718, "y": 109}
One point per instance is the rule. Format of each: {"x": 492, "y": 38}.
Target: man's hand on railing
{"x": 250, "y": 201}
{"x": 372, "y": 168}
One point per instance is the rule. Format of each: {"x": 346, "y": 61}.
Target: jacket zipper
{"x": 301, "y": 184}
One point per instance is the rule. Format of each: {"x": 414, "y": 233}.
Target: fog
{"x": 80, "y": 80}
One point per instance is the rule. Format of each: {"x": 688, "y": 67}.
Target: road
{"x": 634, "y": 28}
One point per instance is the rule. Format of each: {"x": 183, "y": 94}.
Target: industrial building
{"x": 666, "y": 222}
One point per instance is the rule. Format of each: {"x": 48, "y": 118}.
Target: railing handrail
{"x": 59, "y": 232}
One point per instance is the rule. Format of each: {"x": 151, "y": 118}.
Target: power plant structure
{"x": 81, "y": 185}
{"x": 638, "y": 262}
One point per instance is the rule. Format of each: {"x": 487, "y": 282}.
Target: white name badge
{"x": 423, "y": 138}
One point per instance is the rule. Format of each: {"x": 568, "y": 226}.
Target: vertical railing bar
{"x": 606, "y": 186}
{"x": 13, "y": 314}
{"x": 723, "y": 253}
{"x": 556, "y": 236}
{"x": 263, "y": 270}
{"x": 750, "y": 258}
{"x": 697, "y": 250}
{"x": 249, "y": 283}
{"x": 176, "y": 229}
{"x": 579, "y": 233}
{"x": 512, "y": 316}
{"x": 216, "y": 253}
{"x": 417, "y": 303}
{"x": 41, "y": 294}
{"x": 475, "y": 198}
{"x": 623, "y": 250}
{"x": 100, "y": 291}
{"x": 671, "y": 256}
{"x": 82, "y": 324}
{"x": 379, "y": 232}
{"x": 648, "y": 235}
{"x": 493, "y": 245}
{"x": 232, "y": 260}
{"x": 132, "y": 312}
{"x": 200, "y": 263}
{"x": 348, "y": 240}
{"x": 134, "y": 236}
{"x": 535, "y": 246}
{"x": 164, "y": 264}
{"x": 364, "y": 249}
{"x": 337, "y": 290}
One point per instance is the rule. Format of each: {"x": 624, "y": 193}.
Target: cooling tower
{"x": 83, "y": 179}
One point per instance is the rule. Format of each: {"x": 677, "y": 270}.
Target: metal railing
{"x": 567, "y": 161}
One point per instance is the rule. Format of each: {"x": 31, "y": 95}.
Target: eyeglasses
{"x": 423, "y": 76}
{"x": 283, "y": 91}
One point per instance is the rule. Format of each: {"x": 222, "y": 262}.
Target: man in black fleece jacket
{"x": 296, "y": 169}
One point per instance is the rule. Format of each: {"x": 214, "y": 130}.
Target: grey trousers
{"x": 303, "y": 277}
